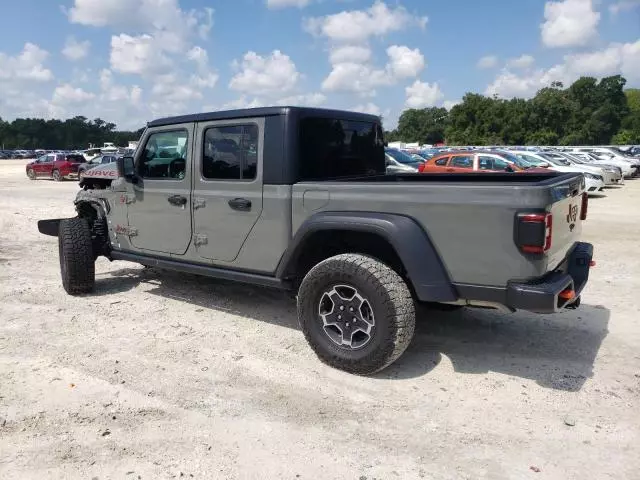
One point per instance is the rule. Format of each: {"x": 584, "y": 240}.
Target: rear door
{"x": 461, "y": 164}
{"x": 227, "y": 195}
{"x": 160, "y": 213}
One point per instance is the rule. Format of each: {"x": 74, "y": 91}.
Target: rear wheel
{"x": 356, "y": 313}
{"x": 77, "y": 263}
{"x": 31, "y": 174}
{"x": 56, "y": 176}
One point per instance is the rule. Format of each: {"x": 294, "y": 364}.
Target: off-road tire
{"x": 56, "y": 176}
{"x": 390, "y": 300}
{"x": 31, "y": 174}
{"x": 77, "y": 264}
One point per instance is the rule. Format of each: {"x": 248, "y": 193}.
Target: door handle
{"x": 177, "y": 200}
{"x": 241, "y": 204}
{"x": 450, "y": 170}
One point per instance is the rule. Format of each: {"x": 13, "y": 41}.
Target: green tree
{"x": 425, "y": 125}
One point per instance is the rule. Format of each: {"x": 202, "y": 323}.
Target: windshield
{"x": 556, "y": 160}
{"x": 399, "y": 156}
{"x": 520, "y": 162}
{"x": 531, "y": 159}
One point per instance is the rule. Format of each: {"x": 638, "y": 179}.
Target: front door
{"x": 227, "y": 195}
{"x": 159, "y": 210}
{"x": 45, "y": 167}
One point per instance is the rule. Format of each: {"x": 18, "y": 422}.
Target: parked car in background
{"x": 99, "y": 160}
{"x": 398, "y": 161}
{"x": 594, "y": 182}
{"x": 56, "y": 166}
{"x": 477, "y": 161}
{"x": 608, "y": 158}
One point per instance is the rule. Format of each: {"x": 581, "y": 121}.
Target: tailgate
{"x": 568, "y": 208}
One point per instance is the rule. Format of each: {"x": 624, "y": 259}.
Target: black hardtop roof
{"x": 262, "y": 112}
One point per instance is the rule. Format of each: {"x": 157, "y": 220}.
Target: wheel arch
{"x": 399, "y": 240}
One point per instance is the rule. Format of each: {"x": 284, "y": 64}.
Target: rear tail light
{"x": 421, "y": 167}
{"x": 584, "y": 206}
{"x": 534, "y": 232}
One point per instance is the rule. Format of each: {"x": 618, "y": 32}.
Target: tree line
{"x": 71, "y": 134}
{"x": 588, "y": 112}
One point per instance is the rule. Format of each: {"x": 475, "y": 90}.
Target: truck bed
{"x": 469, "y": 218}
{"x": 467, "y": 178}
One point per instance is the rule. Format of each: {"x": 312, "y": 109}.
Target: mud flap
{"x": 49, "y": 227}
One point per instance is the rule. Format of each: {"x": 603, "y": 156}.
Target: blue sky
{"x": 129, "y": 61}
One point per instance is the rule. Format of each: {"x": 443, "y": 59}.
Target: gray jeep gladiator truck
{"x": 297, "y": 198}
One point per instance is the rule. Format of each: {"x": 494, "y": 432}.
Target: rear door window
{"x": 462, "y": 161}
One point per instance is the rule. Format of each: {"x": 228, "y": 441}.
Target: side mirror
{"x": 509, "y": 168}
{"x": 386, "y": 144}
{"x": 126, "y": 168}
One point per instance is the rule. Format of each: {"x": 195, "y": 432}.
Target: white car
{"x": 609, "y": 175}
{"x": 609, "y": 156}
{"x": 593, "y": 183}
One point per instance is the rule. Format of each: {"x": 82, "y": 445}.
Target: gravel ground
{"x": 162, "y": 375}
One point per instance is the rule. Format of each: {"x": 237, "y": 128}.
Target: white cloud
{"x": 404, "y": 62}
{"x": 75, "y": 50}
{"x": 27, "y": 65}
{"x": 369, "y": 107}
{"x": 287, "y": 3}
{"x": 569, "y": 23}
{"x": 271, "y": 75}
{"x": 524, "y": 61}
{"x": 65, "y": 94}
{"x": 350, "y": 53}
{"x": 617, "y": 58}
{"x": 449, "y": 104}
{"x": 303, "y": 100}
{"x": 355, "y": 77}
{"x": 488, "y": 61}
{"x": 623, "y": 6}
{"x": 198, "y": 55}
{"x": 360, "y": 76}
{"x": 357, "y": 26}
{"x": 164, "y": 17}
{"x": 137, "y": 55}
{"x": 422, "y": 95}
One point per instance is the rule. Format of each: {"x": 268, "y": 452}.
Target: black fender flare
{"x": 425, "y": 269}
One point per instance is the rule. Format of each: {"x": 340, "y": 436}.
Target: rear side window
{"x": 230, "y": 152}
{"x": 462, "y": 162}
{"x": 442, "y": 162}
{"x": 333, "y": 148}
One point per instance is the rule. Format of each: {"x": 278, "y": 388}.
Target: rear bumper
{"x": 539, "y": 295}
{"x": 543, "y": 295}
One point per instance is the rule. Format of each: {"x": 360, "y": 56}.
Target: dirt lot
{"x": 160, "y": 375}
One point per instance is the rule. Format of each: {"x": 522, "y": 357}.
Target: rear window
{"x": 333, "y": 148}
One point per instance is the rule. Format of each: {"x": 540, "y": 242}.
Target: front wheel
{"x": 56, "y": 176}
{"x": 77, "y": 263}
{"x": 31, "y": 174}
{"x": 356, "y": 313}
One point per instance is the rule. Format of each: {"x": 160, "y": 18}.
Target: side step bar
{"x": 199, "y": 269}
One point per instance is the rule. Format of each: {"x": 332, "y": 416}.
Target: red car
{"x": 57, "y": 166}
{"x": 477, "y": 161}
